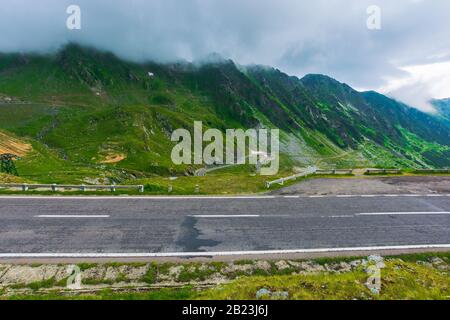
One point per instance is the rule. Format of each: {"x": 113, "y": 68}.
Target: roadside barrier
{"x": 281, "y": 181}
{"x": 55, "y": 187}
{"x": 335, "y": 171}
{"x": 432, "y": 171}
{"x": 383, "y": 171}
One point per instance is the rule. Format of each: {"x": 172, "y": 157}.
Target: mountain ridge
{"x": 83, "y": 105}
{"x": 443, "y": 107}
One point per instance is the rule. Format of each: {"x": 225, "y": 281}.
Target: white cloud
{"x": 420, "y": 84}
{"x": 299, "y": 37}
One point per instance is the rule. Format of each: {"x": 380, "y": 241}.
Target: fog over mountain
{"x": 407, "y": 59}
{"x": 86, "y": 108}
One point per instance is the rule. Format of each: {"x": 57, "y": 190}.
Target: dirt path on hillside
{"x": 12, "y": 145}
{"x": 373, "y": 185}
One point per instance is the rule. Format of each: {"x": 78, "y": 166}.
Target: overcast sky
{"x": 409, "y": 58}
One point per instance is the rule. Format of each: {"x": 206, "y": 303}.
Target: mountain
{"x": 367, "y": 121}
{"x": 443, "y": 107}
{"x": 90, "y": 115}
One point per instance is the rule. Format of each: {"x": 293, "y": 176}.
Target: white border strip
{"x": 225, "y": 253}
{"x": 135, "y": 197}
{"x": 256, "y": 197}
{"x": 300, "y": 197}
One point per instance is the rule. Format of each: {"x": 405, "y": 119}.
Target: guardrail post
{"x": 141, "y": 188}
{"x": 24, "y": 187}
{"x": 83, "y": 188}
{"x": 54, "y": 187}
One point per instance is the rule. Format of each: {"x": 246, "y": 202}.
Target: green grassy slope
{"x": 81, "y": 108}
{"x": 443, "y": 108}
{"x": 394, "y": 132}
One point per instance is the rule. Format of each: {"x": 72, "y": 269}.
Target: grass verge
{"x": 421, "y": 276}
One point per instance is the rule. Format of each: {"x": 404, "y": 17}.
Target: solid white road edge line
{"x": 223, "y": 253}
{"x": 215, "y": 197}
{"x": 135, "y": 197}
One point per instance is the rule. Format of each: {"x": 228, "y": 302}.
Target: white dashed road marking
{"x": 402, "y": 213}
{"x": 70, "y": 216}
{"x": 341, "y": 216}
{"x": 226, "y": 216}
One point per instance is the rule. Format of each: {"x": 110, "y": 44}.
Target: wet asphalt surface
{"x": 143, "y": 225}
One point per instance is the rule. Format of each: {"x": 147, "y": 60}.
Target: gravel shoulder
{"x": 369, "y": 185}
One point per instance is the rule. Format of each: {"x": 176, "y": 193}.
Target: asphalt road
{"x": 120, "y": 225}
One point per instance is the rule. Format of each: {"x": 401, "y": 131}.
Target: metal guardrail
{"x": 384, "y": 171}
{"x": 432, "y": 171}
{"x": 55, "y": 187}
{"x": 281, "y": 181}
{"x": 335, "y": 171}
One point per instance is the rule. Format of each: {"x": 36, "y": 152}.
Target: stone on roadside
{"x": 175, "y": 271}
{"x": 94, "y": 273}
{"x": 261, "y": 293}
{"x": 235, "y": 268}
{"x": 282, "y": 265}
{"x": 28, "y": 274}
{"x": 263, "y": 265}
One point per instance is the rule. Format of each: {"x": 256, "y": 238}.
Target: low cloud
{"x": 299, "y": 37}
{"x": 420, "y": 84}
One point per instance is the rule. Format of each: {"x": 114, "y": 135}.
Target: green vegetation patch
{"x": 399, "y": 280}
{"x": 412, "y": 276}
